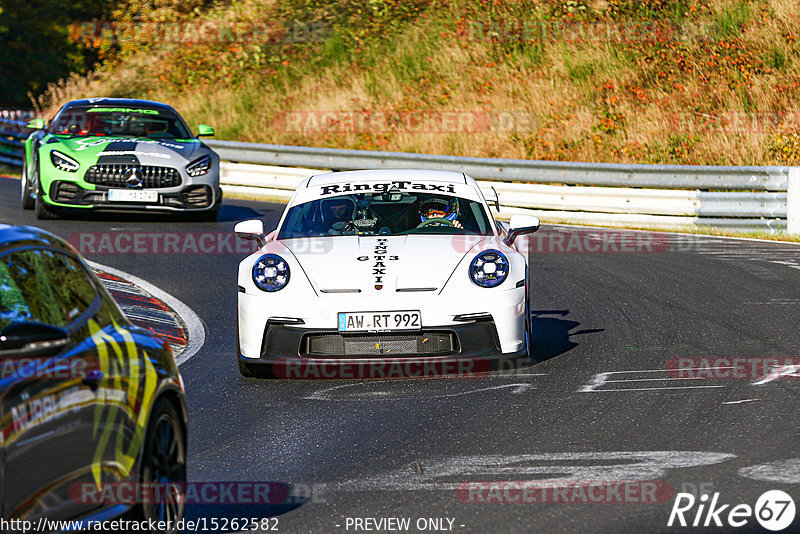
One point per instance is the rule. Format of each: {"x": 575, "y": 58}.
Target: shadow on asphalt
{"x": 246, "y": 506}
{"x": 551, "y": 335}
{"x": 228, "y": 213}
{"x": 232, "y": 515}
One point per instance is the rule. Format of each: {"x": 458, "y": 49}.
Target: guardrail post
{"x": 793, "y": 201}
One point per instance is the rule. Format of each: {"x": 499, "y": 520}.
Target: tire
{"x": 26, "y": 191}
{"x": 528, "y": 320}
{"x": 528, "y": 341}
{"x": 43, "y": 211}
{"x": 163, "y": 462}
{"x": 260, "y": 371}
{"x": 245, "y": 370}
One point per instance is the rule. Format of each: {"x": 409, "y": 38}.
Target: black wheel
{"x": 26, "y": 190}
{"x": 245, "y": 369}
{"x": 528, "y": 320}
{"x": 528, "y": 341}
{"x": 163, "y": 467}
{"x": 260, "y": 371}
{"x": 43, "y": 211}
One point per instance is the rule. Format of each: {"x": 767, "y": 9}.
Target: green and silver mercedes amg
{"x": 112, "y": 153}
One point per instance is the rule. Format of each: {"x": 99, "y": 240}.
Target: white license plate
{"x": 380, "y": 321}
{"x": 124, "y": 195}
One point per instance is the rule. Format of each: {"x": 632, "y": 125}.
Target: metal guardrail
{"x": 666, "y": 196}
{"x": 22, "y": 115}
{"x": 513, "y": 170}
{"x": 667, "y": 209}
{"x": 12, "y": 135}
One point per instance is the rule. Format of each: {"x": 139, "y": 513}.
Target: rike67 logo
{"x": 774, "y": 510}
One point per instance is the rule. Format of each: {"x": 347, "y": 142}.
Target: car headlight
{"x": 200, "y": 166}
{"x": 489, "y": 268}
{"x": 270, "y": 273}
{"x": 62, "y": 162}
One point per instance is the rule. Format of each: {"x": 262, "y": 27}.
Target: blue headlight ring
{"x": 258, "y": 268}
{"x": 473, "y": 269}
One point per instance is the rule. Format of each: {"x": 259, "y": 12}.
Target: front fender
{"x": 29, "y": 146}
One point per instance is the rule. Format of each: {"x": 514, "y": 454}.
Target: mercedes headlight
{"x": 270, "y": 273}
{"x": 489, "y": 268}
{"x": 62, "y": 162}
{"x": 200, "y": 166}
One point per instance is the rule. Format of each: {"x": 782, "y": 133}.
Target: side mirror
{"x": 34, "y": 339}
{"x": 252, "y": 229}
{"x": 35, "y": 124}
{"x": 203, "y": 130}
{"x": 521, "y": 224}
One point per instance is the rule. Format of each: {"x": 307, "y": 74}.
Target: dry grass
{"x": 563, "y": 95}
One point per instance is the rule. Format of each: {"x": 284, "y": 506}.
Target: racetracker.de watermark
{"x": 517, "y": 30}
{"x": 565, "y": 492}
{"x": 38, "y": 368}
{"x": 576, "y": 242}
{"x": 733, "y": 368}
{"x": 123, "y": 242}
{"x": 378, "y": 121}
{"x": 572, "y": 242}
{"x": 196, "y": 493}
{"x": 386, "y": 367}
{"x": 198, "y": 32}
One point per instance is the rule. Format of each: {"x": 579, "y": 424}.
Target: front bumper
{"x": 473, "y": 350}
{"x": 477, "y": 338}
{"x": 189, "y": 197}
{"x": 504, "y": 310}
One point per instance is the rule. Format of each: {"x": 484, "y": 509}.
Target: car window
{"x": 39, "y": 285}
{"x": 120, "y": 122}
{"x": 387, "y": 213}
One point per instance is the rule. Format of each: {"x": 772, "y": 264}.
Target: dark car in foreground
{"x": 113, "y": 153}
{"x": 88, "y": 401}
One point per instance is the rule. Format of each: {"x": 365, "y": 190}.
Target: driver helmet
{"x": 438, "y": 208}
{"x": 337, "y": 209}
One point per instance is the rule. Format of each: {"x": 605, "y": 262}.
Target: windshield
{"x": 120, "y": 122}
{"x": 388, "y": 213}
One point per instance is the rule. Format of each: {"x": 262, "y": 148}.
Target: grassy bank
{"x": 656, "y": 81}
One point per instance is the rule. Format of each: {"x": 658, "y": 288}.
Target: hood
{"x": 375, "y": 264}
{"x": 128, "y": 150}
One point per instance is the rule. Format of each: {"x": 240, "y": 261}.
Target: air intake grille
{"x": 198, "y": 196}
{"x": 114, "y": 176}
{"x": 431, "y": 343}
{"x": 66, "y": 192}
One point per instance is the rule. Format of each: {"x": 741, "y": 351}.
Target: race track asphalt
{"x": 599, "y": 404}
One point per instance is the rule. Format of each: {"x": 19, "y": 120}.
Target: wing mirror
{"x": 34, "y": 339}
{"x": 204, "y": 130}
{"x": 35, "y": 124}
{"x": 252, "y": 229}
{"x": 520, "y": 225}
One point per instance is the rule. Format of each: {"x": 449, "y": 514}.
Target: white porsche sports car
{"x": 365, "y": 267}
